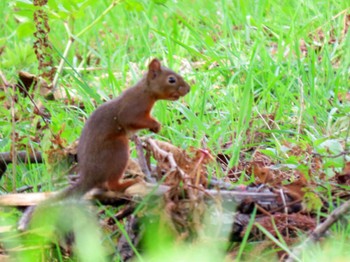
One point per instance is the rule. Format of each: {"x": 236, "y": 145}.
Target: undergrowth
{"x": 264, "y": 74}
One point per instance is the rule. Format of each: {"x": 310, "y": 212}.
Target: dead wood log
{"x": 23, "y": 156}
{"x": 137, "y": 190}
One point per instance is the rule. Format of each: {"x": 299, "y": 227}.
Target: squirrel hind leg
{"x": 121, "y": 186}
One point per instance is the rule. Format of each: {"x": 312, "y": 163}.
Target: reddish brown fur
{"x": 103, "y": 149}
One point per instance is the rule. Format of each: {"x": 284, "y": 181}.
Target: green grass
{"x": 242, "y": 58}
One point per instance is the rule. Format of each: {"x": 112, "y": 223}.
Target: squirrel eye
{"x": 172, "y": 79}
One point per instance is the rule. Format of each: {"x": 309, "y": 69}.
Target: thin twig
{"x": 64, "y": 56}
{"x": 321, "y": 229}
{"x": 332, "y": 156}
{"x": 45, "y": 119}
{"x": 141, "y": 158}
{"x": 302, "y": 106}
{"x": 85, "y": 68}
{"x": 7, "y": 87}
{"x": 273, "y": 135}
{"x": 6, "y": 84}
{"x": 30, "y": 98}
{"x": 71, "y": 39}
{"x": 173, "y": 165}
{"x": 346, "y": 139}
{"x": 332, "y": 19}
{"x": 105, "y": 12}
{"x": 285, "y": 209}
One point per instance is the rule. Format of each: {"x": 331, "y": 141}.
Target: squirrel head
{"x": 164, "y": 83}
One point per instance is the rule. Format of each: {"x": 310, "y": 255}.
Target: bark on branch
{"x": 321, "y": 229}
{"x": 137, "y": 190}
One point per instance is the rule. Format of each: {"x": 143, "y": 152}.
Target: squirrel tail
{"x": 74, "y": 192}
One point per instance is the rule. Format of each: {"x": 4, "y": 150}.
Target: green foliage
{"x": 244, "y": 61}
{"x": 336, "y": 249}
{"x": 52, "y": 223}
{"x": 21, "y": 55}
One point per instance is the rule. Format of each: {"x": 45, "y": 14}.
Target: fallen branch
{"x": 137, "y": 190}
{"x": 23, "y": 200}
{"x": 22, "y": 156}
{"x": 321, "y": 229}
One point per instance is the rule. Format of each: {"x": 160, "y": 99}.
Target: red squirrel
{"x": 103, "y": 149}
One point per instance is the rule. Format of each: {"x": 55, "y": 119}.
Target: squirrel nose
{"x": 184, "y": 89}
{"x": 187, "y": 88}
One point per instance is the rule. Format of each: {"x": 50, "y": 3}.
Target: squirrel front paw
{"x": 155, "y": 128}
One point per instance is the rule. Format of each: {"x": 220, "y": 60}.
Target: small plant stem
{"x": 13, "y": 139}
{"x": 302, "y": 106}
{"x": 65, "y": 54}
{"x": 72, "y": 39}
{"x": 273, "y": 135}
{"x": 141, "y": 157}
{"x": 7, "y": 86}
{"x": 109, "y": 8}
{"x": 346, "y": 140}
{"x": 319, "y": 231}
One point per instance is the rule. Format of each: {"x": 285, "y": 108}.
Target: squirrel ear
{"x": 154, "y": 68}
{"x": 154, "y": 65}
